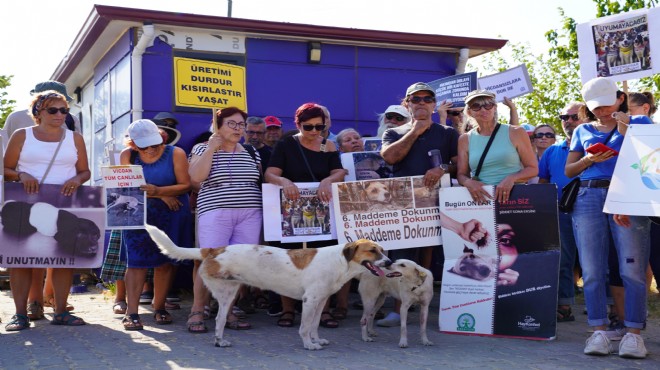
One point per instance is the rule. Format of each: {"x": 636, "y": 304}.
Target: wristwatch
{"x": 444, "y": 167}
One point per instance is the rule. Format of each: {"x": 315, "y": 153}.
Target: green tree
{"x": 555, "y": 74}
{"x": 6, "y": 105}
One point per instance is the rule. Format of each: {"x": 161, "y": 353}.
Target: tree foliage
{"x": 555, "y": 73}
{"x": 6, "y": 105}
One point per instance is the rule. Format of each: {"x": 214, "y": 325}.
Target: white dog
{"x": 408, "y": 282}
{"x": 308, "y": 274}
{"x": 129, "y": 203}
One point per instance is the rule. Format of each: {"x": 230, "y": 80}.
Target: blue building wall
{"x": 354, "y": 82}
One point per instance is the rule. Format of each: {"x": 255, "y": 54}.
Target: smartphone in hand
{"x": 600, "y": 148}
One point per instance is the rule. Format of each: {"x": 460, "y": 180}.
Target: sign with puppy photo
{"x": 365, "y": 166}
{"x": 125, "y": 202}
{"x": 48, "y": 229}
{"x": 396, "y": 213}
{"x": 304, "y": 219}
{"x": 501, "y": 263}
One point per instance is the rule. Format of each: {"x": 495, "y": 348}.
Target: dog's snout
{"x": 484, "y": 271}
{"x": 388, "y": 262}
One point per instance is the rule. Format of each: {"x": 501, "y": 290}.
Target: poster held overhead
{"x": 511, "y": 83}
{"x": 453, "y": 89}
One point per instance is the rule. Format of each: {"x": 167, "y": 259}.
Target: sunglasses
{"x": 259, "y": 133}
{"x": 150, "y": 147}
{"x": 233, "y": 124}
{"x": 53, "y": 110}
{"x": 313, "y": 127}
{"x": 454, "y": 113}
{"x": 418, "y": 99}
{"x": 477, "y": 107}
{"x": 548, "y": 135}
{"x": 397, "y": 117}
{"x": 565, "y": 117}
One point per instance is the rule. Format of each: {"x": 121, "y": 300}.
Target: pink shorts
{"x": 226, "y": 226}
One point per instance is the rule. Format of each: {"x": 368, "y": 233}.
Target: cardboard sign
{"x": 510, "y": 83}
{"x": 365, "y": 166}
{"x": 126, "y": 204}
{"x": 203, "y": 84}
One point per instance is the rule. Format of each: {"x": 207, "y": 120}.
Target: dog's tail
{"x": 169, "y": 248}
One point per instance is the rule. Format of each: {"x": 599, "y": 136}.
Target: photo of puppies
{"x": 622, "y": 46}
{"x": 375, "y": 195}
{"x": 36, "y": 227}
{"x": 425, "y": 197}
{"x": 125, "y": 208}
{"x": 305, "y": 216}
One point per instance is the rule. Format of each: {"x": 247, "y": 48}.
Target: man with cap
{"x": 254, "y": 135}
{"x": 420, "y": 147}
{"x": 167, "y": 122}
{"x": 394, "y": 116}
{"x": 273, "y": 131}
{"x": 21, "y": 119}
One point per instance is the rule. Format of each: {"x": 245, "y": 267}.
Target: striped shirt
{"x": 233, "y": 181}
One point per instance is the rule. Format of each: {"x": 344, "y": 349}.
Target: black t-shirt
{"x": 265, "y": 153}
{"x": 417, "y": 162}
{"x": 287, "y": 157}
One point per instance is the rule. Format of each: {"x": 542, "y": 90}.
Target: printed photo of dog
{"x": 125, "y": 207}
{"x": 473, "y": 266}
{"x": 404, "y": 280}
{"x": 425, "y": 197}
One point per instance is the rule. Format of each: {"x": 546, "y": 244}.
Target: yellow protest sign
{"x": 203, "y": 84}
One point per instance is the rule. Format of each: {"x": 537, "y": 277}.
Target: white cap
{"x": 144, "y": 133}
{"x": 599, "y": 92}
{"x": 398, "y": 109}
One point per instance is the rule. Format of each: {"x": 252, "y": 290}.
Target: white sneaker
{"x": 632, "y": 346}
{"x": 597, "y": 344}
{"x": 392, "y": 319}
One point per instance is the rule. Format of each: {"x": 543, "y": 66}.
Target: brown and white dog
{"x": 406, "y": 281}
{"x": 311, "y": 275}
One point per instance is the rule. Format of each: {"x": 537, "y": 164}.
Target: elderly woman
{"x": 350, "y": 141}
{"x": 229, "y": 200}
{"x": 306, "y": 157}
{"x": 595, "y": 230}
{"x": 165, "y": 169}
{"x": 26, "y": 160}
{"x": 510, "y": 159}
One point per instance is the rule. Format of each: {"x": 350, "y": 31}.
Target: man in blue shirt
{"x": 551, "y": 170}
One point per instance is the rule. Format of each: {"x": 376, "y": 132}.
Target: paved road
{"x": 103, "y": 344}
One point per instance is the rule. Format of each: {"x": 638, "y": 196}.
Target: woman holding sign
{"x": 306, "y": 157}
{"x": 594, "y": 229}
{"x": 27, "y": 159}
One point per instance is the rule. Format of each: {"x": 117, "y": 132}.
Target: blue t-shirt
{"x": 586, "y": 135}
{"x": 552, "y": 163}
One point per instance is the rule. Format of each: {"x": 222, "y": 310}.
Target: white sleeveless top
{"x": 36, "y": 155}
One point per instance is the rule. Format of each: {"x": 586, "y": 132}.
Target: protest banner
{"x": 453, "y": 89}
{"x": 501, "y": 270}
{"x": 125, "y": 203}
{"x": 205, "y": 84}
{"x": 48, "y": 229}
{"x": 635, "y": 186}
{"x": 365, "y": 166}
{"x": 510, "y": 83}
{"x": 305, "y": 219}
{"x": 396, "y": 213}
{"x": 622, "y": 46}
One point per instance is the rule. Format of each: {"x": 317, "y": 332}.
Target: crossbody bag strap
{"x": 53, "y": 159}
{"x": 483, "y": 155}
{"x": 305, "y": 158}
{"x": 610, "y": 135}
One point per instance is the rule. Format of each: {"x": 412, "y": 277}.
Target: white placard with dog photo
{"x": 305, "y": 219}
{"x": 396, "y": 213}
{"x": 125, "y": 203}
{"x": 620, "y": 46}
{"x": 365, "y": 166}
{"x": 48, "y": 229}
{"x": 501, "y": 263}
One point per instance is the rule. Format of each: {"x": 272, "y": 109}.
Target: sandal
{"x": 236, "y": 323}
{"x": 18, "y": 322}
{"x": 35, "y": 311}
{"x": 328, "y": 323}
{"x": 339, "y": 313}
{"x": 162, "y": 317}
{"x": 565, "y": 314}
{"x": 50, "y": 302}
{"x": 132, "y": 322}
{"x": 193, "y": 324}
{"x": 119, "y": 308}
{"x": 67, "y": 319}
{"x": 286, "y": 319}
{"x": 261, "y": 303}
{"x": 170, "y": 306}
